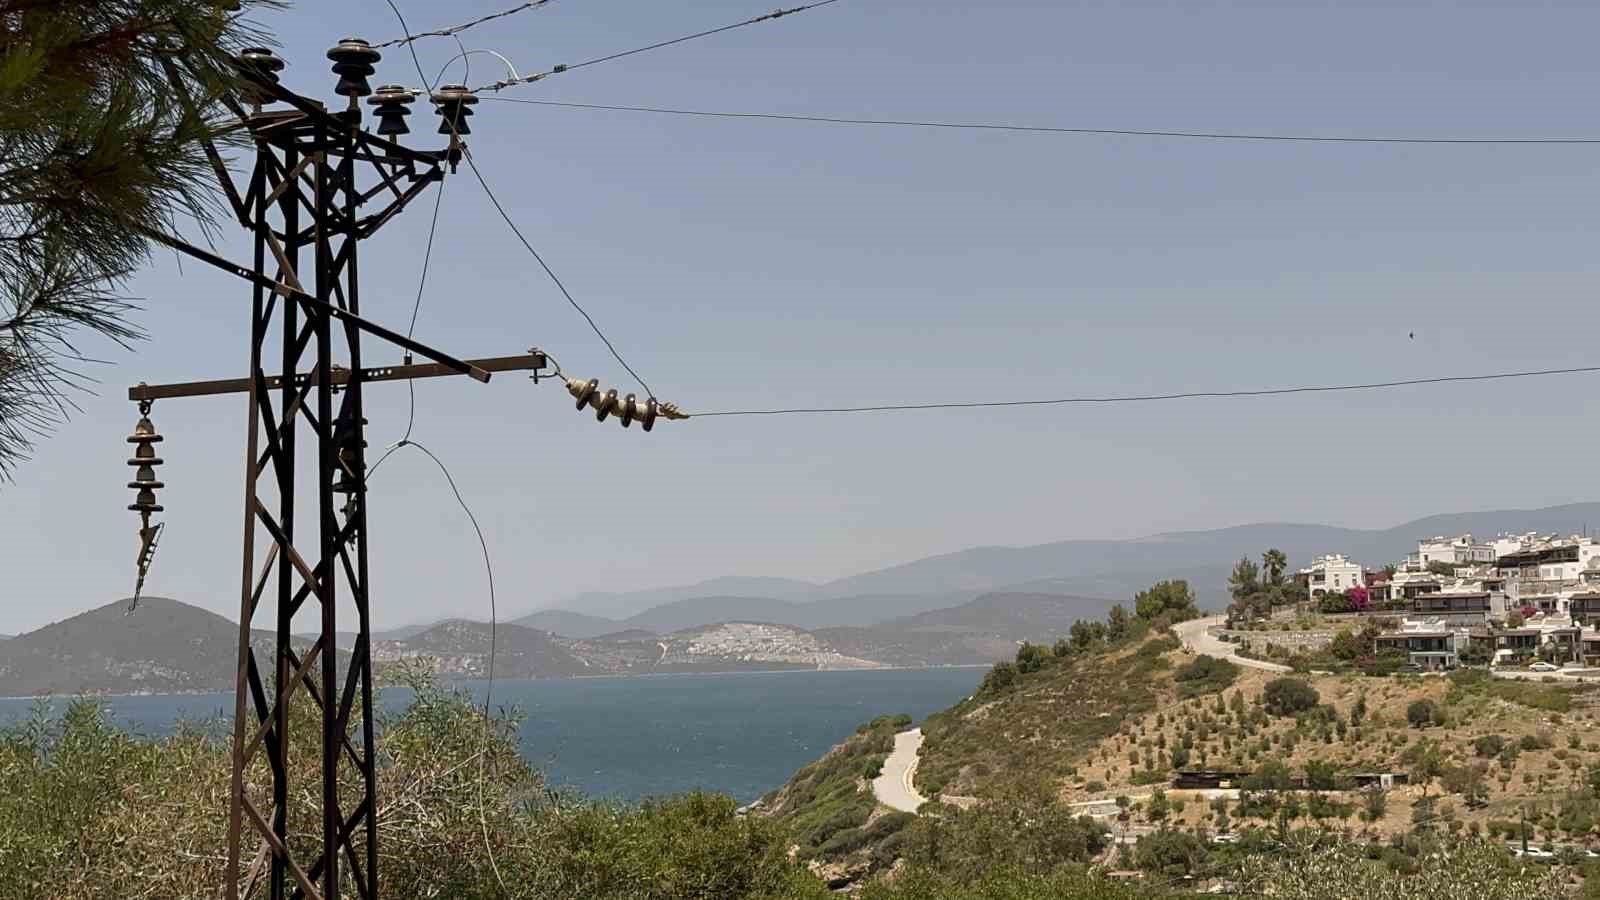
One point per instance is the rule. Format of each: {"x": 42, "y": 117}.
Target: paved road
{"x": 893, "y": 787}
{"x": 1197, "y": 640}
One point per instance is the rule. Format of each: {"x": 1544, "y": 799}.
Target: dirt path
{"x": 893, "y": 786}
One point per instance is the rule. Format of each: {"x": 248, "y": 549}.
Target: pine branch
{"x": 94, "y": 148}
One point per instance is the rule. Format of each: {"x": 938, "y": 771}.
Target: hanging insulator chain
{"x": 628, "y": 409}
{"x": 145, "y": 485}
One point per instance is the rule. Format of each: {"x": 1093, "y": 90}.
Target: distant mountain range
{"x": 965, "y": 607}
{"x": 1111, "y": 569}
{"x": 171, "y": 647}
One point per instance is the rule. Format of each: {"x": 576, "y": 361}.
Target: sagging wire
{"x": 553, "y": 276}
{"x": 454, "y": 30}
{"x": 494, "y": 622}
{"x": 1146, "y": 398}
{"x": 1046, "y": 129}
{"x": 559, "y": 69}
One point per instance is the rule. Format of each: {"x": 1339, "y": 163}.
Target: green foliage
{"x": 1067, "y": 708}
{"x": 1316, "y": 870}
{"x": 1086, "y": 635}
{"x": 1347, "y": 646}
{"x": 1422, "y": 713}
{"x": 1205, "y": 675}
{"x": 94, "y": 147}
{"x": 1170, "y": 853}
{"x": 1003, "y": 882}
{"x": 998, "y": 679}
{"x": 1031, "y": 658}
{"x": 90, "y": 813}
{"x": 1117, "y": 623}
{"x": 1270, "y": 776}
{"x": 1173, "y": 599}
{"x": 1321, "y": 775}
{"x": 1288, "y": 696}
{"x": 1273, "y": 563}
{"x": 825, "y": 798}
{"x": 1465, "y": 683}
{"x": 1245, "y": 579}
{"x": 1025, "y": 828}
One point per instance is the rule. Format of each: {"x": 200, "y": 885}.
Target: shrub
{"x": 1489, "y": 745}
{"x": 1422, "y": 713}
{"x": 850, "y": 817}
{"x": 1002, "y": 676}
{"x": 1031, "y": 658}
{"x": 1288, "y": 696}
{"x": 1206, "y": 675}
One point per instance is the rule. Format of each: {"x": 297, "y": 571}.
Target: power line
{"x": 494, "y": 627}
{"x": 457, "y": 29}
{"x": 1045, "y": 129}
{"x": 553, "y": 277}
{"x": 1145, "y": 398}
{"x": 557, "y": 70}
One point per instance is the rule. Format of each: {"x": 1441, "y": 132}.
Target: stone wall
{"x": 1258, "y": 641}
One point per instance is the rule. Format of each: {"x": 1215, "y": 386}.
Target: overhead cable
{"x": 1049, "y": 129}
{"x": 457, "y": 29}
{"x": 557, "y": 70}
{"x": 553, "y": 277}
{"x": 1146, "y": 398}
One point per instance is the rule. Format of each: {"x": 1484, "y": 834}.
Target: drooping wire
{"x": 553, "y": 277}
{"x": 494, "y": 615}
{"x": 416, "y": 307}
{"x": 1146, "y": 398}
{"x": 557, "y": 70}
{"x": 457, "y": 29}
{"x": 1045, "y": 129}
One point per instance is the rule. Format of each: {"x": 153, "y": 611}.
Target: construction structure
{"x": 319, "y": 185}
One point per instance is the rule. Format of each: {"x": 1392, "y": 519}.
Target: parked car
{"x": 1544, "y": 667}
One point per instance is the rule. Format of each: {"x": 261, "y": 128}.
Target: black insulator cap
{"x": 627, "y": 411}
{"x": 587, "y": 392}
{"x": 389, "y": 102}
{"x": 607, "y": 406}
{"x": 353, "y": 61}
{"x": 260, "y": 67}
{"x": 650, "y": 411}
{"x": 452, "y": 102}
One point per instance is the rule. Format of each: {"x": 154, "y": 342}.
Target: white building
{"x": 1457, "y": 551}
{"x": 1551, "y": 559}
{"x": 1331, "y": 573}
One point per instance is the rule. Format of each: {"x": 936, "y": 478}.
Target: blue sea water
{"x": 628, "y": 738}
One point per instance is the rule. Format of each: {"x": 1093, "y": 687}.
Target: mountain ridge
{"x": 1113, "y": 569}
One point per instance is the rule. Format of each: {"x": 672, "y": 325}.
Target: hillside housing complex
{"x": 1509, "y": 598}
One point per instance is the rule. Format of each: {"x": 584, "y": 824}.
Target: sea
{"x": 630, "y": 738}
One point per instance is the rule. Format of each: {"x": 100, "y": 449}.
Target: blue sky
{"x": 746, "y": 264}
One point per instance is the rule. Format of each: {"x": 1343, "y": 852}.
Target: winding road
{"x": 893, "y": 786}
{"x": 1197, "y": 639}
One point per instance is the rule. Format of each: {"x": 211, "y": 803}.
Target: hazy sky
{"x": 743, "y": 263}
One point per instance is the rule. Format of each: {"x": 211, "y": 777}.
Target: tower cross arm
{"x": 337, "y": 312}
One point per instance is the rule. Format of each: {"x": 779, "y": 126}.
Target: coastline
{"x": 608, "y": 676}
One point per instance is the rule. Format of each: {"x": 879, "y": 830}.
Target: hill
{"x": 983, "y": 630}
{"x": 569, "y": 624}
{"x": 1112, "y": 569}
{"x": 1103, "y": 730}
{"x": 460, "y": 648}
{"x": 164, "y": 647}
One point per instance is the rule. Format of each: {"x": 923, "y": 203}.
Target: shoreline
{"x": 565, "y": 678}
